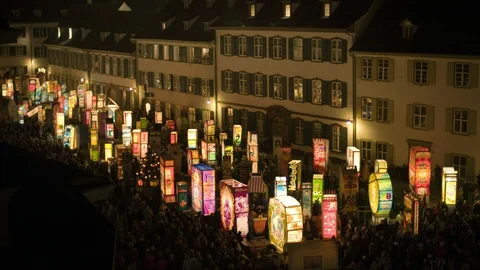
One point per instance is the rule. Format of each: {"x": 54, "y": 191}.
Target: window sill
{"x": 279, "y": 98}
{"x": 298, "y": 60}
{"x": 460, "y": 133}
{"x": 298, "y": 101}
{"x": 258, "y": 57}
{"x": 242, "y": 93}
{"x": 365, "y": 119}
{"x": 243, "y": 56}
{"x": 462, "y": 87}
{"x": 277, "y": 58}
{"x": 318, "y": 104}
{"x": 367, "y": 79}
{"x": 258, "y": 95}
{"x": 336, "y": 62}
{"x": 419, "y": 128}
{"x": 317, "y": 60}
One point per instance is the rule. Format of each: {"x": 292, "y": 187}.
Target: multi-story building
{"x": 176, "y": 60}
{"x": 284, "y": 71}
{"x": 416, "y": 85}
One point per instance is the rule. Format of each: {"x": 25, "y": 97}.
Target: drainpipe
{"x": 354, "y": 92}
{"x": 215, "y": 92}
{"x": 31, "y": 48}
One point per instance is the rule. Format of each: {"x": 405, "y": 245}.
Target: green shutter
{"x": 270, "y": 48}
{"x": 119, "y": 67}
{"x": 474, "y": 75}
{"x": 391, "y": 109}
{"x": 451, "y": 74}
{"x": 343, "y": 139}
{"x": 198, "y": 86}
{"x": 183, "y": 54}
{"x": 430, "y": 118}
{"x": 327, "y": 132}
{"x": 409, "y": 115}
{"x": 390, "y": 155}
{"x": 345, "y": 95}
{"x": 265, "y": 88}
{"x": 344, "y": 51}
{"x": 170, "y": 53}
{"x": 290, "y": 89}
{"x": 251, "y": 83}
{"x": 326, "y": 93}
{"x": 125, "y": 68}
{"x": 252, "y": 121}
{"x": 284, "y": 87}
{"x": 250, "y": 46}
{"x": 234, "y": 45}
{"x": 197, "y": 55}
{"x": 307, "y": 133}
{"x": 183, "y": 84}
{"x": 104, "y": 62}
{"x": 472, "y": 122}
{"x": 432, "y": 72}
{"x": 235, "y": 82}
{"x": 223, "y": 80}
{"x": 270, "y": 86}
{"x": 222, "y": 45}
{"x": 284, "y": 48}
{"x": 199, "y": 115}
{"x": 160, "y": 52}
{"x": 447, "y": 162}
{"x": 210, "y": 56}
{"x": 326, "y": 50}
{"x": 290, "y": 48}
{"x": 291, "y": 132}
{"x": 236, "y": 117}
{"x": 307, "y": 90}
{"x": 307, "y": 49}
{"x": 449, "y": 120}
{"x": 470, "y": 169}
{"x": 150, "y": 79}
{"x": 224, "y": 115}
{"x": 264, "y": 48}
{"x": 212, "y": 91}
{"x": 391, "y": 70}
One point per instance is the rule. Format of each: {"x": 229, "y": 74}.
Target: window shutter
{"x": 197, "y": 55}
{"x": 235, "y": 82}
{"x": 326, "y": 50}
{"x": 198, "y": 86}
{"x": 374, "y": 109}
{"x": 212, "y": 91}
{"x": 236, "y": 117}
{"x": 307, "y": 133}
{"x": 290, "y": 88}
{"x": 430, "y": 118}
{"x": 343, "y": 139}
{"x": 307, "y": 49}
{"x": 390, "y": 111}
{"x": 470, "y": 169}
{"x": 252, "y": 121}
{"x": 359, "y": 107}
{"x": 270, "y": 48}
{"x": 270, "y": 86}
{"x": 125, "y": 68}
{"x": 409, "y": 115}
{"x": 291, "y": 135}
{"x": 104, "y": 62}
{"x": 183, "y": 84}
{"x": 184, "y": 112}
{"x": 284, "y": 88}
{"x": 170, "y": 53}
{"x": 449, "y": 120}
{"x": 472, "y": 122}
{"x": 390, "y": 154}
{"x": 235, "y": 45}
{"x": 307, "y": 90}
{"x": 160, "y": 52}
{"x": 344, "y": 51}
{"x": 451, "y": 74}
{"x": 210, "y": 56}
{"x": 264, "y": 47}
{"x": 290, "y": 48}
{"x": 250, "y": 46}
{"x": 345, "y": 95}
{"x": 284, "y": 48}
{"x": 447, "y": 162}
{"x": 374, "y": 150}
{"x": 410, "y": 71}
{"x": 251, "y": 83}
{"x": 183, "y": 54}
{"x": 150, "y": 79}
{"x": 12, "y": 50}
{"x": 432, "y": 71}
{"x": 474, "y": 75}
{"x": 222, "y": 45}
{"x": 224, "y": 116}
{"x": 327, "y": 93}
{"x": 264, "y": 85}
{"x": 223, "y": 80}
{"x": 327, "y": 133}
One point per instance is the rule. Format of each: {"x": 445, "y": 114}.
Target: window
{"x": 114, "y": 66}
{"x": 420, "y": 116}
{"x": 382, "y": 151}
{"x": 191, "y": 115}
{"x": 257, "y": 47}
{"x": 242, "y": 81}
{"x": 326, "y": 10}
{"x": 288, "y": 10}
{"x": 70, "y": 33}
{"x": 299, "y": 131}
{"x": 298, "y": 89}
{"x": 462, "y": 75}
{"x": 166, "y": 55}
{"x": 242, "y": 46}
{"x": 382, "y": 110}
{"x": 164, "y": 26}
{"x": 460, "y": 121}
{"x": 278, "y": 87}
{"x": 244, "y": 120}
{"x": 297, "y": 49}
{"x": 367, "y": 65}
{"x": 167, "y": 83}
{"x": 366, "y": 108}
{"x": 39, "y": 32}
{"x": 316, "y": 49}
{"x": 191, "y": 85}
{"x": 337, "y": 51}
{"x": 157, "y": 80}
{"x": 131, "y": 68}
{"x": 40, "y": 52}
{"x": 252, "y": 10}
{"x": 205, "y": 56}
{"x": 190, "y": 54}
{"x": 20, "y": 50}
{"x": 177, "y": 111}
{"x": 205, "y": 87}
{"x": 121, "y": 70}
{"x": 107, "y": 65}
{"x": 168, "y": 110}
{"x": 336, "y": 138}
{"x": 228, "y": 81}
{"x": 421, "y": 72}
{"x": 459, "y": 162}
{"x": 176, "y": 83}
{"x": 260, "y": 123}
{"x": 366, "y": 147}
{"x": 176, "y": 53}
{"x": 227, "y": 43}
{"x": 407, "y": 32}
{"x": 258, "y": 84}
{"x": 277, "y": 48}
{"x": 317, "y": 92}
{"x": 383, "y": 70}
{"x": 230, "y": 117}
{"x": 5, "y": 51}
{"x": 317, "y": 130}
{"x": 336, "y": 94}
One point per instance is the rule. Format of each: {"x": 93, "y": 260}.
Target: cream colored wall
{"x": 439, "y": 95}
{"x": 115, "y": 80}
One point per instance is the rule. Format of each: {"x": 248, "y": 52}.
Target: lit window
{"x": 297, "y": 49}
{"x": 298, "y": 89}
{"x": 205, "y": 56}
{"x": 288, "y": 10}
{"x": 336, "y": 94}
{"x": 70, "y": 33}
{"x": 166, "y": 55}
{"x": 230, "y": 117}
{"x": 407, "y": 31}
{"x": 421, "y": 72}
{"x": 326, "y": 10}
{"x": 191, "y": 85}
{"x": 242, "y": 83}
{"x": 167, "y": 83}
{"x": 278, "y": 87}
{"x": 420, "y": 116}
{"x": 317, "y": 128}
{"x": 459, "y": 162}
{"x": 191, "y": 114}
{"x": 367, "y": 109}
{"x": 367, "y": 65}
{"x": 462, "y": 75}
{"x": 317, "y": 92}
{"x": 164, "y": 26}
{"x": 244, "y": 120}
{"x": 260, "y": 123}
{"x": 336, "y": 138}
{"x": 176, "y": 83}
{"x": 59, "y": 32}
{"x": 252, "y": 10}
{"x": 460, "y": 121}
{"x": 298, "y": 131}
{"x": 205, "y": 87}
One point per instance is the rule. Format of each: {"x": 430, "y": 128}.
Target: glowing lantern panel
{"x": 167, "y": 178}
{"x": 329, "y": 216}
{"x": 285, "y": 221}
{"x": 203, "y": 189}
{"x": 234, "y": 205}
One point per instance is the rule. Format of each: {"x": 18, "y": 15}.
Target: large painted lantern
{"x": 349, "y": 190}
{"x": 449, "y": 186}
{"x": 419, "y": 170}
{"x": 285, "y": 221}
{"x": 192, "y": 138}
{"x": 182, "y": 195}
{"x": 237, "y": 135}
{"x": 193, "y": 158}
{"x": 317, "y": 188}
{"x": 234, "y": 205}
{"x": 353, "y": 157}
{"x": 167, "y": 178}
{"x": 380, "y": 190}
{"x": 294, "y": 175}
{"x": 411, "y": 210}
{"x": 203, "y": 189}
{"x": 320, "y": 155}
{"x": 329, "y": 216}
{"x": 136, "y": 141}
{"x": 307, "y": 199}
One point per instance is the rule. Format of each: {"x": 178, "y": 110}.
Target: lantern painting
{"x": 234, "y": 205}
{"x": 70, "y": 137}
{"x": 449, "y": 186}
{"x": 285, "y": 221}
{"x": 158, "y": 117}
{"x": 380, "y": 190}
{"x": 237, "y": 135}
{"x": 94, "y": 153}
{"x": 182, "y": 195}
{"x": 307, "y": 199}
{"x": 209, "y": 130}
{"x": 411, "y": 210}
{"x": 94, "y": 121}
{"x": 93, "y": 137}
{"x": 192, "y": 138}
{"x": 126, "y": 135}
{"x": 353, "y": 157}
{"x": 320, "y": 155}
{"x": 280, "y": 186}
{"x": 136, "y": 142}
{"x": 228, "y": 151}
{"x": 109, "y": 129}
{"x": 317, "y": 187}
{"x": 167, "y": 178}
{"x": 108, "y": 147}
{"x": 60, "y": 125}
{"x": 211, "y": 153}
{"x": 349, "y": 190}
{"x": 295, "y": 175}
{"x": 419, "y": 169}
{"x": 193, "y": 158}
{"x": 127, "y": 119}
{"x": 88, "y": 99}
{"x": 203, "y": 189}
{"x": 173, "y": 137}
{"x": 329, "y": 216}
{"x": 204, "y": 151}
{"x": 88, "y": 117}
{"x": 143, "y": 143}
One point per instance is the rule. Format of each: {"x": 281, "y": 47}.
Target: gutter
{"x": 215, "y": 92}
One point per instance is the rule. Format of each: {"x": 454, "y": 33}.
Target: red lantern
{"x": 140, "y": 183}
{"x": 173, "y": 137}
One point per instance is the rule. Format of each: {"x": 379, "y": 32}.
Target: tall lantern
{"x": 380, "y": 190}
{"x": 449, "y": 186}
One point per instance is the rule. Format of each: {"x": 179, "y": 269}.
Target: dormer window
{"x": 70, "y": 33}
{"x": 252, "y": 10}
{"x": 326, "y": 10}
{"x": 230, "y": 3}
{"x": 63, "y": 12}
{"x": 103, "y": 36}
{"x": 287, "y": 10}
{"x": 185, "y": 26}
{"x": 164, "y": 25}
{"x": 407, "y": 31}
{"x": 16, "y": 12}
{"x": 59, "y": 32}
{"x": 117, "y": 38}
{"x": 37, "y": 13}
{"x": 186, "y": 3}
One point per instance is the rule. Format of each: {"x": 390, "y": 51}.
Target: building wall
{"x": 439, "y": 97}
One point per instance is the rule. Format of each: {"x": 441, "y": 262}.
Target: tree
{"x": 149, "y": 171}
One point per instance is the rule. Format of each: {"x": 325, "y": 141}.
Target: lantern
{"x": 173, "y": 137}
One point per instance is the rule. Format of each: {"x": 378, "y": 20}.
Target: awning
{"x": 256, "y": 185}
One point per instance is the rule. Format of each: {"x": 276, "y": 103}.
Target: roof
{"x": 8, "y": 36}
{"x": 442, "y": 29}
{"x": 305, "y": 14}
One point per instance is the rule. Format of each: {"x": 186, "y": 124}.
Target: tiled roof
{"x": 443, "y": 28}
{"x": 305, "y": 14}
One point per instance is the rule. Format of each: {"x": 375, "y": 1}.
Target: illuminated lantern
{"x": 143, "y": 143}
{"x": 173, "y": 137}
{"x": 209, "y": 130}
{"x": 81, "y": 95}
{"x": 285, "y": 221}
{"x": 449, "y": 186}
{"x": 307, "y": 199}
{"x": 234, "y": 205}
{"x": 158, "y": 117}
{"x": 70, "y": 137}
{"x": 101, "y": 101}
{"x": 295, "y": 175}
{"x": 94, "y": 153}
{"x": 329, "y": 216}
{"x": 88, "y": 99}
{"x": 317, "y": 187}
{"x": 419, "y": 170}
{"x": 211, "y": 153}
{"x": 94, "y": 121}
{"x": 93, "y": 137}
{"x": 140, "y": 182}
{"x": 412, "y": 210}
{"x": 192, "y": 138}
{"x": 203, "y": 189}
{"x": 167, "y": 178}
{"x": 182, "y": 195}
{"x": 349, "y": 189}
{"x": 237, "y": 135}
{"x": 380, "y": 190}
{"x": 353, "y": 157}
{"x": 204, "y": 151}
{"x": 94, "y": 102}
{"x": 136, "y": 142}
{"x": 126, "y": 135}
{"x": 193, "y": 158}
{"x": 280, "y": 186}
{"x": 108, "y": 150}
{"x": 127, "y": 118}
{"x": 60, "y": 125}
{"x": 110, "y": 129}
{"x": 320, "y": 155}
